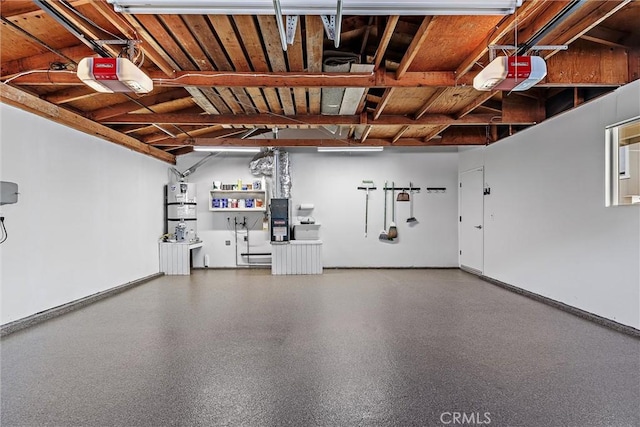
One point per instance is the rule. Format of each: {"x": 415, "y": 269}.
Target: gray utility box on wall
{"x": 8, "y": 192}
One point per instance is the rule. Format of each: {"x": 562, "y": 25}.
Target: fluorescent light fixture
{"x": 228, "y": 149}
{"x": 318, "y": 7}
{"x": 348, "y": 149}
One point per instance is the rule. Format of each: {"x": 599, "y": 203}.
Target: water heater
{"x": 181, "y": 211}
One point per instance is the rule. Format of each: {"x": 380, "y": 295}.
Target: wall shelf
{"x": 260, "y": 209}
{"x": 241, "y": 196}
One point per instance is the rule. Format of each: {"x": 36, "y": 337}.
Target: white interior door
{"x": 472, "y": 220}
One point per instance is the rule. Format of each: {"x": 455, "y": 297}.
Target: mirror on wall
{"x": 623, "y": 163}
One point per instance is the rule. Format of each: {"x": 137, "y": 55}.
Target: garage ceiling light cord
{"x": 26, "y": 73}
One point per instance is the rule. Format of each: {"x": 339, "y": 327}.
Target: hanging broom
{"x": 383, "y": 234}
{"x": 393, "y": 230}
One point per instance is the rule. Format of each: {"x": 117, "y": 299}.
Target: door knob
{"x": 478, "y": 226}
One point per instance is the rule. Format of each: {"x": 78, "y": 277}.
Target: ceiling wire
{"x": 26, "y": 73}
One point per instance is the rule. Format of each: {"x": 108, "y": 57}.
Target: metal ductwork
{"x": 275, "y": 166}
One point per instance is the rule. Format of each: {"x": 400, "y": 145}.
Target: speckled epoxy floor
{"x": 348, "y": 348}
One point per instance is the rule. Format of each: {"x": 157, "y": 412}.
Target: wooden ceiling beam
{"x": 398, "y": 135}
{"x": 373, "y": 142}
{"x": 606, "y": 36}
{"x": 383, "y": 102}
{"x": 251, "y": 41}
{"x": 298, "y": 120}
{"x": 478, "y": 101}
{"x": 430, "y": 102}
{"x": 188, "y": 30}
{"x": 522, "y": 108}
{"x": 225, "y": 79}
{"x": 180, "y": 150}
{"x": 504, "y": 28}
{"x": 70, "y": 94}
{"x": 206, "y": 138}
{"x": 169, "y": 65}
{"x": 587, "y": 62}
{"x": 580, "y": 23}
{"x": 415, "y": 46}
{"x": 87, "y": 29}
{"x": 384, "y": 40}
{"x": 275, "y": 55}
{"x": 140, "y": 103}
{"x": 25, "y": 101}
{"x": 314, "y": 36}
{"x": 44, "y": 60}
{"x": 27, "y": 9}
{"x": 208, "y": 79}
{"x": 540, "y": 20}
{"x": 233, "y": 46}
{"x": 465, "y": 136}
{"x": 365, "y": 133}
{"x": 213, "y": 132}
{"x": 295, "y": 61}
{"x": 433, "y": 133}
{"x": 132, "y": 30}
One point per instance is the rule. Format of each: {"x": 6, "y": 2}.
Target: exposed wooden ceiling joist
{"x": 296, "y": 120}
{"x": 508, "y": 24}
{"x": 414, "y": 47}
{"x": 45, "y": 60}
{"x": 208, "y": 79}
{"x": 25, "y": 101}
{"x": 219, "y": 75}
{"x": 70, "y": 94}
{"x": 128, "y": 106}
{"x": 374, "y": 142}
{"x": 384, "y": 40}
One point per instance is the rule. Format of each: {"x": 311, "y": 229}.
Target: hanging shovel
{"x": 366, "y": 185}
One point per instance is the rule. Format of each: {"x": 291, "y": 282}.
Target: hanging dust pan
{"x": 403, "y": 196}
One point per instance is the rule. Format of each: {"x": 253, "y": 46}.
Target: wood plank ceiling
{"x": 225, "y": 80}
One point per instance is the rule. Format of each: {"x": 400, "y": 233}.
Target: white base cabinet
{"x": 296, "y": 257}
{"x": 175, "y": 258}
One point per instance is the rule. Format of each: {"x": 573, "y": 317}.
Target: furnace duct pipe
{"x": 275, "y": 165}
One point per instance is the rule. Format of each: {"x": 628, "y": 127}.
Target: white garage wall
{"x": 329, "y": 181}
{"x": 547, "y": 229}
{"x": 88, "y": 217}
